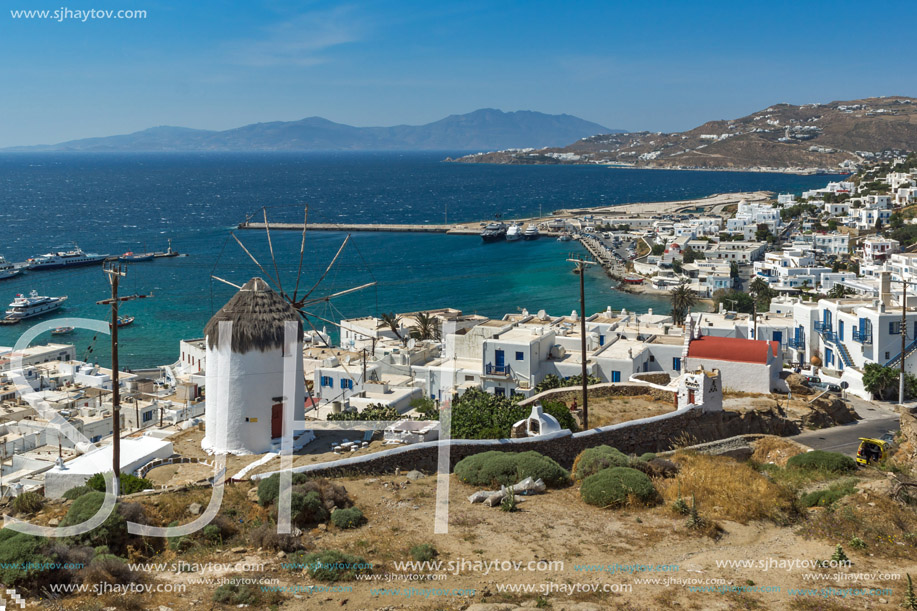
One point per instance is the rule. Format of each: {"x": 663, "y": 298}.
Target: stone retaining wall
{"x": 687, "y": 426}
{"x": 174, "y": 460}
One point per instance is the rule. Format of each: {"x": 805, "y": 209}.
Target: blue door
{"x": 829, "y": 356}
{"x": 778, "y": 337}
{"x": 615, "y": 376}
{"x": 840, "y": 330}
{"x": 499, "y": 358}
{"x": 601, "y": 340}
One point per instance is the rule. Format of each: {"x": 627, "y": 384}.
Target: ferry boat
{"x": 32, "y": 306}
{"x": 64, "y": 258}
{"x": 123, "y": 321}
{"x": 531, "y": 232}
{"x": 514, "y": 232}
{"x": 494, "y": 232}
{"x": 131, "y": 257}
{"x": 8, "y": 270}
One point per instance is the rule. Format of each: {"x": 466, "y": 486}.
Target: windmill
{"x": 303, "y": 302}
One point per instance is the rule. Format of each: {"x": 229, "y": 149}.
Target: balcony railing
{"x": 496, "y": 370}
{"x": 822, "y": 327}
{"x": 797, "y": 343}
{"x": 862, "y": 338}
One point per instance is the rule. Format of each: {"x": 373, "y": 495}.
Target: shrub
{"x": 129, "y": 483}
{"x": 112, "y": 532}
{"x": 329, "y": 565}
{"x": 348, "y": 518}
{"x": 613, "y": 487}
{"x": 75, "y": 493}
{"x": 269, "y": 488}
{"x": 593, "y": 460}
{"x": 820, "y": 460}
{"x": 212, "y": 533}
{"x": 235, "y": 594}
{"x": 509, "y": 503}
{"x": 28, "y": 502}
{"x": 423, "y": 552}
{"x": 266, "y": 536}
{"x": 495, "y": 468}
{"x": 828, "y": 496}
{"x": 18, "y": 551}
{"x": 647, "y": 456}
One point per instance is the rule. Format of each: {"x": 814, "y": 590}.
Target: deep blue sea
{"x": 116, "y": 203}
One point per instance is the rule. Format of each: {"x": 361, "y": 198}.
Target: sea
{"x": 115, "y": 203}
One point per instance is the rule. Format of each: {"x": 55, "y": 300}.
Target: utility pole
{"x": 581, "y": 264}
{"x": 115, "y": 271}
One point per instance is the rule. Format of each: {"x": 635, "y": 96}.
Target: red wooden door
{"x": 277, "y": 420}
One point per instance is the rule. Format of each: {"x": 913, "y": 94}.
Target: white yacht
{"x": 7, "y": 269}
{"x": 33, "y": 305}
{"x": 514, "y": 232}
{"x": 65, "y": 258}
{"x": 531, "y": 232}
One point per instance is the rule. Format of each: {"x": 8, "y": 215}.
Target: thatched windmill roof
{"x": 258, "y": 315}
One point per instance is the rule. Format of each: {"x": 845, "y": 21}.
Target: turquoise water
{"x": 113, "y": 204}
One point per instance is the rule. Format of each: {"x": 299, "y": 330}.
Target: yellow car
{"x": 872, "y": 451}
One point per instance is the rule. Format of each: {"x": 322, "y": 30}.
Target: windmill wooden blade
{"x": 302, "y": 250}
{"x": 328, "y": 269}
{"x": 261, "y": 267}
{"x": 338, "y": 294}
{"x": 270, "y": 245}
{"x": 226, "y": 282}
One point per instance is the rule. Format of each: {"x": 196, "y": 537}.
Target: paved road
{"x": 877, "y": 419}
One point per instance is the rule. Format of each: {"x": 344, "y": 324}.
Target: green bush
{"x": 308, "y": 509}
{"x": 329, "y": 565}
{"x": 593, "y": 460}
{"x": 236, "y": 594}
{"x": 819, "y": 460}
{"x": 612, "y": 487}
{"x": 480, "y": 415}
{"x": 28, "y": 502}
{"x": 423, "y": 552}
{"x": 129, "y": 483}
{"x": 212, "y": 532}
{"x": 507, "y": 468}
{"x": 18, "y": 551}
{"x": 112, "y": 532}
{"x": 75, "y": 493}
{"x": 348, "y": 518}
{"x": 828, "y": 496}
{"x": 647, "y": 456}
{"x": 269, "y": 488}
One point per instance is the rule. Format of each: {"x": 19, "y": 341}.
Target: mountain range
{"x": 829, "y": 137}
{"x": 487, "y": 129}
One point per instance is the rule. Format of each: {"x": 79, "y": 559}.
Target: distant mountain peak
{"x": 485, "y": 128}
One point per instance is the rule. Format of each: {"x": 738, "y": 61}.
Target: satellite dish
{"x": 411, "y": 343}
{"x": 845, "y": 385}
{"x": 542, "y": 314}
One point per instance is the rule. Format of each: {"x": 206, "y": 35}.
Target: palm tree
{"x": 683, "y": 299}
{"x": 839, "y": 291}
{"x": 427, "y": 327}
{"x": 394, "y": 322}
{"x": 762, "y": 292}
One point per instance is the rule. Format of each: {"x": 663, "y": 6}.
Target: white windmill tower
{"x": 252, "y": 360}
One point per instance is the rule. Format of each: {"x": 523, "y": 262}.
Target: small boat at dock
{"x": 8, "y": 270}
{"x": 564, "y": 237}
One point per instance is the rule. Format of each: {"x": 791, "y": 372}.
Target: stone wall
{"x": 659, "y": 433}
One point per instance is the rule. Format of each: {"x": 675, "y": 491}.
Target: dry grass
{"x": 775, "y": 450}
{"x": 726, "y": 489}
{"x": 604, "y": 411}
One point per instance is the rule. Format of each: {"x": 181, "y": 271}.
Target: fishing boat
{"x": 531, "y": 232}
{"x": 124, "y": 321}
{"x": 494, "y": 232}
{"x": 564, "y": 237}
{"x": 132, "y": 257}
{"x": 8, "y": 270}
{"x": 514, "y": 232}
{"x": 62, "y": 331}
{"x": 64, "y": 258}
{"x": 34, "y": 305}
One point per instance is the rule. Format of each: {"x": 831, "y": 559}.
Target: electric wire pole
{"x": 903, "y": 341}
{"x": 580, "y": 269}
{"x": 115, "y": 271}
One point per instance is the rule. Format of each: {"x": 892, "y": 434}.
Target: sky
{"x": 659, "y": 66}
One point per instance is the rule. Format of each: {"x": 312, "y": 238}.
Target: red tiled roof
{"x": 732, "y": 349}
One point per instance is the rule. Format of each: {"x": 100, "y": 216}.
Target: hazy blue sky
{"x": 631, "y": 65}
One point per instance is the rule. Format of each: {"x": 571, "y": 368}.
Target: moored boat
{"x": 564, "y": 237}
{"x": 34, "y": 305}
{"x": 131, "y": 257}
{"x": 64, "y": 258}
{"x": 494, "y": 232}
{"x": 531, "y": 232}
{"x": 514, "y": 232}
